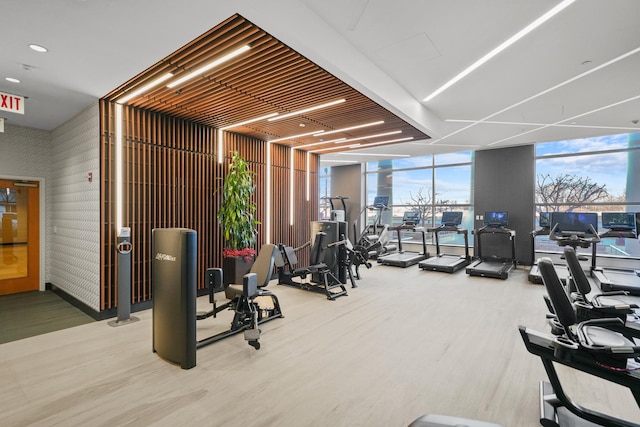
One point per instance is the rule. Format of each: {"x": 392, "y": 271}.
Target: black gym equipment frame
{"x": 618, "y": 279}
{"x": 552, "y": 395}
{"x": 445, "y": 262}
{"x": 493, "y": 266}
{"x": 322, "y": 280}
{"x": 406, "y": 258}
{"x": 246, "y": 300}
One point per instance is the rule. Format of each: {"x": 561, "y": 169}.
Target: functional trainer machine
{"x": 443, "y": 262}
{"x": 406, "y": 258}
{"x": 622, "y": 226}
{"x": 495, "y": 223}
{"x": 601, "y": 347}
{"x": 322, "y": 277}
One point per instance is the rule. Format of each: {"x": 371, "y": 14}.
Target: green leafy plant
{"x": 237, "y": 214}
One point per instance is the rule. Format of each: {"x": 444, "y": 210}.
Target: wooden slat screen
{"x": 173, "y": 179}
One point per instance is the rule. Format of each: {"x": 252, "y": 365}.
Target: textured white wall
{"x": 75, "y": 207}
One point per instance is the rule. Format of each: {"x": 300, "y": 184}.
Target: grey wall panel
{"x": 505, "y": 181}
{"x": 346, "y": 181}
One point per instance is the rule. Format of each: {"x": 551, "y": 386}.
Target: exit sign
{"x": 11, "y": 103}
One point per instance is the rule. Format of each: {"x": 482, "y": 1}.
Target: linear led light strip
{"x": 144, "y": 88}
{"x": 492, "y": 122}
{"x": 291, "y": 184}
{"x": 209, "y": 66}
{"x": 246, "y": 122}
{"x": 379, "y": 122}
{"x": 306, "y": 110}
{"x": 118, "y": 168}
{"x": 267, "y": 191}
{"x": 408, "y": 138}
{"x": 319, "y": 143}
{"x": 526, "y": 30}
{"x": 297, "y": 136}
{"x": 342, "y": 140}
{"x": 544, "y": 92}
{"x": 615, "y": 104}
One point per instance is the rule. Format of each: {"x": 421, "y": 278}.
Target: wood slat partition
{"x": 268, "y": 78}
{"x": 173, "y": 179}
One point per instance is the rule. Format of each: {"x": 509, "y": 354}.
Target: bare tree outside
{"x": 422, "y": 202}
{"x": 566, "y": 192}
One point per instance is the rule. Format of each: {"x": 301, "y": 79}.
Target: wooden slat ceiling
{"x": 268, "y": 78}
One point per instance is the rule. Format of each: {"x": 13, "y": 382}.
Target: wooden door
{"x": 19, "y": 236}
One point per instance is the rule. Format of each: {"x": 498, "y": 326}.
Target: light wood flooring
{"x": 405, "y": 343}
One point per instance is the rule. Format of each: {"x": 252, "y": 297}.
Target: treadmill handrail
{"x": 458, "y": 230}
{"x": 487, "y": 229}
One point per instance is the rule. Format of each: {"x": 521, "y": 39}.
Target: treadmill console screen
{"x": 496, "y": 219}
{"x": 544, "y": 220}
{"x": 618, "y": 221}
{"x": 381, "y": 202}
{"x": 451, "y": 219}
{"x": 411, "y": 218}
{"x": 574, "y": 223}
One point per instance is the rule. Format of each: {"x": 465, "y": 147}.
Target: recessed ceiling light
{"x": 12, "y": 80}
{"x": 38, "y": 48}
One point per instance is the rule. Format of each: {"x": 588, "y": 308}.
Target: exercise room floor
{"x": 406, "y": 342}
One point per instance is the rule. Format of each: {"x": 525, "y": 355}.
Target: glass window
{"x": 590, "y": 175}
{"x": 583, "y": 145}
{"x": 453, "y": 184}
{"x": 453, "y": 158}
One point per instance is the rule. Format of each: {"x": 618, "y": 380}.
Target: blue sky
{"x": 609, "y": 169}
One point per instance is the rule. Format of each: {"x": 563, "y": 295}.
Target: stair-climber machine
{"x": 375, "y": 237}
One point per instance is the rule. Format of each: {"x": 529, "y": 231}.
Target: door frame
{"x": 43, "y": 236}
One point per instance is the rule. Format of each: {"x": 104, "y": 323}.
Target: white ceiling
{"x": 577, "y": 75}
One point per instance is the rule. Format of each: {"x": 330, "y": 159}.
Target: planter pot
{"x": 233, "y": 270}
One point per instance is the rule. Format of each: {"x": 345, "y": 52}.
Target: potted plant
{"x": 237, "y": 216}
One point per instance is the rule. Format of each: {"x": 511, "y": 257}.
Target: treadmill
{"x": 403, "y": 258}
{"x": 544, "y": 222}
{"x": 621, "y": 225}
{"x": 444, "y": 262}
{"x": 494, "y": 266}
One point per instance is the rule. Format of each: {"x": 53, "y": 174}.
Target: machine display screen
{"x": 574, "y": 222}
{"x": 381, "y": 202}
{"x": 618, "y": 220}
{"x": 451, "y": 218}
{"x": 496, "y": 219}
{"x": 411, "y": 218}
{"x": 544, "y": 220}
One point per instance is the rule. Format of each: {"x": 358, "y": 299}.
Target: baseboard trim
{"x": 97, "y": 315}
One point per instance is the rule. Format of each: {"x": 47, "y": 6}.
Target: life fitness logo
{"x": 165, "y": 257}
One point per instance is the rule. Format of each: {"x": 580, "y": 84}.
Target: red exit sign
{"x": 11, "y": 103}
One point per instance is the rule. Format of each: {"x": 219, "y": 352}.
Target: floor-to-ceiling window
{"x": 427, "y": 184}
{"x": 599, "y": 174}
{"x": 324, "y": 182}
